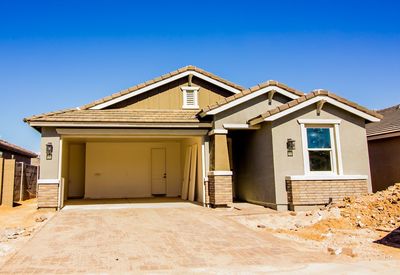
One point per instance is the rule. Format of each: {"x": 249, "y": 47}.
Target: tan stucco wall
{"x": 49, "y": 168}
{"x": 352, "y": 138}
{"x": 76, "y": 174}
{"x": 385, "y": 161}
{"x": 243, "y": 112}
{"x": 123, "y": 169}
{"x": 170, "y": 96}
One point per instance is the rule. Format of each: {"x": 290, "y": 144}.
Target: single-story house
{"x": 384, "y": 149}
{"x": 194, "y": 135}
{"x": 12, "y": 151}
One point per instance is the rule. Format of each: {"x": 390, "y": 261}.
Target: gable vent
{"x": 190, "y": 97}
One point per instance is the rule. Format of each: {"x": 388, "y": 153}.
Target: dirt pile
{"x": 380, "y": 210}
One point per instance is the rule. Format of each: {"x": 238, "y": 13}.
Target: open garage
{"x": 132, "y": 167}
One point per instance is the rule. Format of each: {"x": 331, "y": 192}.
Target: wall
{"x": 76, "y": 171}
{"x": 253, "y": 171}
{"x": 49, "y": 168}
{"x": 249, "y": 109}
{"x": 13, "y": 155}
{"x": 352, "y": 137}
{"x": 122, "y": 169}
{"x": 170, "y": 96}
{"x": 384, "y": 160}
{"x": 302, "y": 194}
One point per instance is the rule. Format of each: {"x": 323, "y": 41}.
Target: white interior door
{"x": 76, "y": 173}
{"x": 158, "y": 171}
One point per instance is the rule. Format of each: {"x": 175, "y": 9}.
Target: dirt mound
{"x": 380, "y": 210}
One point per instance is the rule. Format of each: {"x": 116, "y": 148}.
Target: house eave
{"x": 122, "y": 125}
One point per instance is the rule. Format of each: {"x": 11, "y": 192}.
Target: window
{"x": 321, "y": 146}
{"x": 319, "y": 149}
{"x": 190, "y": 97}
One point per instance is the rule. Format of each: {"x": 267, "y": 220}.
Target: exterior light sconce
{"x": 290, "y": 146}
{"x": 49, "y": 151}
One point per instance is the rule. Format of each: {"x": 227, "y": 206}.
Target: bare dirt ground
{"x": 365, "y": 228}
{"x": 18, "y": 225}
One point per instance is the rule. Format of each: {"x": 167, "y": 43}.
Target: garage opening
{"x": 132, "y": 169}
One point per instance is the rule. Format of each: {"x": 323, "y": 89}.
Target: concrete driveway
{"x": 161, "y": 238}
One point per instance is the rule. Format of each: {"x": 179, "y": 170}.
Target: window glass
{"x": 318, "y": 138}
{"x": 320, "y": 160}
{"x": 319, "y": 149}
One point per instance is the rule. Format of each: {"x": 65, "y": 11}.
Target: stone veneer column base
{"x": 48, "y": 195}
{"x": 303, "y": 194}
{"x": 220, "y": 190}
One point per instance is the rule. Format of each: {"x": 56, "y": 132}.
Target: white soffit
{"x": 327, "y": 99}
{"x": 251, "y": 96}
{"x": 163, "y": 82}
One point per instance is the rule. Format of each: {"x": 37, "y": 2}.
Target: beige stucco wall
{"x": 384, "y": 160}
{"x": 241, "y": 113}
{"x": 49, "y": 168}
{"x": 352, "y": 138}
{"x": 123, "y": 169}
{"x": 170, "y": 96}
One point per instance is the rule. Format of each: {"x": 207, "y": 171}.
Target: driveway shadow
{"x": 392, "y": 239}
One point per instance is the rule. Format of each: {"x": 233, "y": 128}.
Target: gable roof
{"x": 390, "y": 122}
{"x": 312, "y": 98}
{"x": 161, "y": 80}
{"x": 250, "y": 93}
{"x": 5, "y": 145}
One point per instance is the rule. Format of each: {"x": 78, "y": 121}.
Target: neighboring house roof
{"x": 250, "y": 93}
{"x": 161, "y": 80}
{"x": 312, "y": 98}
{"x": 389, "y": 124}
{"x": 16, "y": 149}
{"x": 119, "y": 115}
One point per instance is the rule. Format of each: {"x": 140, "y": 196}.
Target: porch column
{"x": 49, "y": 181}
{"x": 220, "y": 175}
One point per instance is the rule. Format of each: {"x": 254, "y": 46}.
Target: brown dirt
{"x": 375, "y": 211}
{"x": 18, "y": 224}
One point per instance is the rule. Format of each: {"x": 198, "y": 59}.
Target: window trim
{"x": 195, "y": 95}
{"x": 336, "y": 156}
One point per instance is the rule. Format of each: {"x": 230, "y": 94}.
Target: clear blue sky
{"x": 61, "y": 54}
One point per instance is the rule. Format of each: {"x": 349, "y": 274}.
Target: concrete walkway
{"x": 176, "y": 240}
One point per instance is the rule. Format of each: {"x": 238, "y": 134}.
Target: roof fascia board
{"x": 78, "y": 132}
{"x": 249, "y": 97}
{"x": 384, "y": 135}
{"x": 329, "y": 100}
{"x": 124, "y": 125}
{"x": 163, "y": 82}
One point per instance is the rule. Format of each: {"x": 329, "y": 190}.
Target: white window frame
{"x": 336, "y": 155}
{"x": 195, "y": 95}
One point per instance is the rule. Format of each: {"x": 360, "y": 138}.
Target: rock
{"x": 348, "y": 252}
{"x": 260, "y": 226}
{"x": 40, "y": 219}
{"x": 333, "y": 251}
{"x": 292, "y": 213}
{"x": 360, "y": 224}
{"x": 297, "y": 225}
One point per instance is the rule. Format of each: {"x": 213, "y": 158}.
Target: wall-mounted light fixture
{"x": 49, "y": 151}
{"x": 290, "y": 146}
